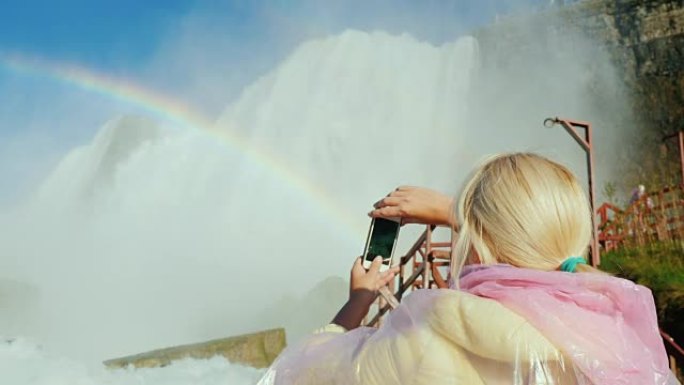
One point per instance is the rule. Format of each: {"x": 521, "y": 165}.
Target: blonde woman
{"x": 526, "y": 308}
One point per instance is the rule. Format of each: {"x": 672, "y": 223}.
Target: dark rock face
{"x": 651, "y": 34}
{"x": 644, "y": 38}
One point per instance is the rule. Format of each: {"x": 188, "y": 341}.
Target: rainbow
{"x": 173, "y": 111}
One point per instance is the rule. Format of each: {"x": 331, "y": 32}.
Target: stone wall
{"x": 258, "y": 350}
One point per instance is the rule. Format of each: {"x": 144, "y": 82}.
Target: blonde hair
{"x": 524, "y": 210}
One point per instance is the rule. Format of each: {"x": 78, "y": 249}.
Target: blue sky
{"x": 125, "y": 33}
{"x": 105, "y": 33}
{"x": 201, "y": 52}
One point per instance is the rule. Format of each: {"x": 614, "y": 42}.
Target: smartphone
{"x": 382, "y": 239}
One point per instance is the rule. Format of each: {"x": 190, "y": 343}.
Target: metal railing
{"x": 424, "y": 266}
{"x": 654, "y": 217}
{"x": 674, "y": 351}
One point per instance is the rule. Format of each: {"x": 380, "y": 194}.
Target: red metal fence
{"x": 653, "y": 217}
{"x": 424, "y": 266}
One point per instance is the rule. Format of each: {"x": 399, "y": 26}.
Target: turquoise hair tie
{"x": 570, "y": 264}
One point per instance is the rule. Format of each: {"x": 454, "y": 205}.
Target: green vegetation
{"x": 660, "y": 267}
{"x": 610, "y": 193}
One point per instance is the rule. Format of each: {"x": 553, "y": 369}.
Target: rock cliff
{"x": 644, "y": 38}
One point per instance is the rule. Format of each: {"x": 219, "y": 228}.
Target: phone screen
{"x": 382, "y": 238}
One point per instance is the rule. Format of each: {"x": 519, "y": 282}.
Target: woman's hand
{"x": 363, "y": 289}
{"x": 416, "y": 205}
{"x": 365, "y": 284}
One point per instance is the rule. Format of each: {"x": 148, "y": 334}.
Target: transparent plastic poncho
{"x": 504, "y": 325}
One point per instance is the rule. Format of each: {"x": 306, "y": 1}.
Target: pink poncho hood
{"x": 606, "y": 325}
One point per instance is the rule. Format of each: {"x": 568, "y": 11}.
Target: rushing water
{"x": 22, "y": 362}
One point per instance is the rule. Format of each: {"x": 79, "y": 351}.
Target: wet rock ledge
{"x": 257, "y": 350}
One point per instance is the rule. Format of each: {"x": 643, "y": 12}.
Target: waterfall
{"x": 151, "y": 236}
